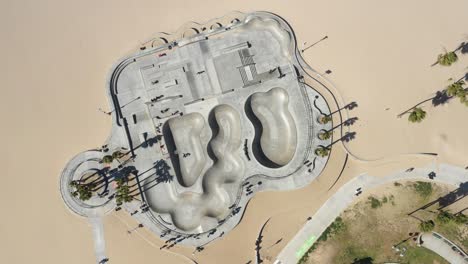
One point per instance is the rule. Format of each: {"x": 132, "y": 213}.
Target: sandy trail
{"x": 56, "y": 56}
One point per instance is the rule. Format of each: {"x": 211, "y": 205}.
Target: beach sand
{"x": 56, "y": 57}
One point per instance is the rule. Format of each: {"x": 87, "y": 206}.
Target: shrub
{"x": 461, "y": 219}
{"x": 374, "y": 202}
{"x": 334, "y": 228}
{"x": 424, "y": 189}
{"x": 427, "y": 226}
{"x": 444, "y": 217}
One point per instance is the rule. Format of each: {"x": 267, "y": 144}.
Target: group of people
{"x": 250, "y": 186}
{"x": 308, "y": 163}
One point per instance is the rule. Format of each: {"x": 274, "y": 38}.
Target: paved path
{"x": 443, "y": 247}
{"x": 343, "y": 198}
{"x": 98, "y": 236}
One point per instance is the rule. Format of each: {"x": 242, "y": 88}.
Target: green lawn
{"x": 417, "y": 255}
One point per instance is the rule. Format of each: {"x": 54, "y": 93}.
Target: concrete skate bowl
{"x": 202, "y": 206}
{"x": 183, "y": 137}
{"x": 275, "y": 141}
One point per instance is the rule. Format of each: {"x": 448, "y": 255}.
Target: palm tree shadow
{"x": 440, "y": 98}
{"x": 163, "y": 171}
{"x": 463, "y": 47}
{"x": 351, "y": 106}
{"x": 350, "y": 121}
{"x": 349, "y": 136}
{"x": 446, "y": 200}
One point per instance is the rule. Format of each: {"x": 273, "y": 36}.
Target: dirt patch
{"x": 323, "y": 254}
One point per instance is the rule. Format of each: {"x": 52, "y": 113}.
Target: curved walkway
{"x": 443, "y": 247}
{"x": 345, "y": 196}
{"x": 98, "y": 237}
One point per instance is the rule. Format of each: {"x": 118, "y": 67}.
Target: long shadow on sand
{"x": 446, "y": 200}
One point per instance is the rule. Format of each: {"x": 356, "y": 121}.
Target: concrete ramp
{"x": 189, "y": 209}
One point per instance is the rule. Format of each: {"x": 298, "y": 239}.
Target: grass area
{"x": 352, "y": 253}
{"x": 335, "y": 228}
{"x": 374, "y": 202}
{"x": 377, "y": 203}
{"x": 419, "y": 255}
{"x": 369, "y": 229}
{"x": 427, "y": 226}
{"x": 451, "y": 226}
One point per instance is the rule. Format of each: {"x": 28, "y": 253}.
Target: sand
{"x": 56, "y": 56}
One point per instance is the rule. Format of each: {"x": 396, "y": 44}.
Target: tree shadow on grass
{"x": 366, "y": 260}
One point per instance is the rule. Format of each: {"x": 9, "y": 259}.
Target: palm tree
{"x": 444, "y": 217}
{"x": 324, "y": 119}
{"x": 325, "y": 151}
{"x": 107, "y": 159}
{"x": 117, "y": 154}
{"x": 441, "y": 97}
{"x": 322, "y": 151}
{"x": 325, "y": 134}
{"x": 82, "y": 191}
{"x": 123, "y": 192}
{"x": 417, "y": 115}
{"x": 464, "y": 100}
{"x": 447, "y": 58}
{"x": 456, "y": 89}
